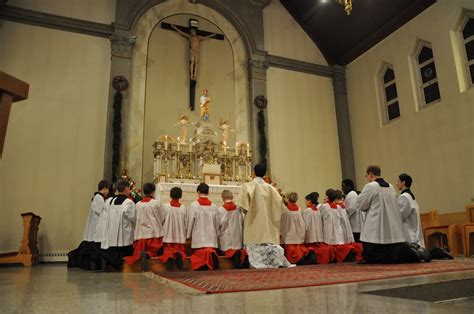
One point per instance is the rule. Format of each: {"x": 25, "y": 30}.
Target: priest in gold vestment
{"x": 263, "y": 207}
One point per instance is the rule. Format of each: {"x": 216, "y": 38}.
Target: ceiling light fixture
{"x": 347, "y": 5}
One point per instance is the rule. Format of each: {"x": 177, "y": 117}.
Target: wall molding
{"x": 299, "y": 66}
{"x": 63, "y": 23}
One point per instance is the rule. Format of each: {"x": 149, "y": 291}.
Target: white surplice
{"x": 410, "y": 211}
{"x": 383, "y": 221}
{"x": 175, "y": 222}
{"x": 104, "y": 217}
{"x": 292, "y": 227}
{"x": 203, "y": 225}
{"x": 149, "y": 223}
{"x": 313, "y": 225}
{"x": 93, "y": 229}
{"x": 336, "y": 226}
{"x": 354, "y": 214}
{"x": 230, "y": 229}
{"x": 120, "y": 224}
{"x": 346, "y": 225}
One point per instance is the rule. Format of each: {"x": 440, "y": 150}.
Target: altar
{"x": 190, "y": 194}
{"x": 205, "y": 157}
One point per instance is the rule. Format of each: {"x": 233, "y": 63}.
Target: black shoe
{"x": 439, "y": 253}
{"x": 312, "y": 257}
{"x": 215, "y": 261}
{"x": 245, "y": 263}
{"x": 411, "y": 254}
{"x": 236, "y": 259}
{"x": 169, "y": 264}
{"x": 424, "y": 254}
{"x": 144, "y": 260}
{"x": 179, "y": 261}
{"x": 103, "y": 264}
{"x": 350, "y": 258}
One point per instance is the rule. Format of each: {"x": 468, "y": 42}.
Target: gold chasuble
{"x": 263, "y": 206}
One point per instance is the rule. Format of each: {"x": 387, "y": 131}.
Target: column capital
{"x": 258, "y": 66}
{"x": 339, "y": 79}
{"x": 122, "y": 45}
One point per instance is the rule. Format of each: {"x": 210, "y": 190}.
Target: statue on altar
{"x": 183, "y": 122}
{"x": 224, "y": 126}
{"x": 205, "y": 104}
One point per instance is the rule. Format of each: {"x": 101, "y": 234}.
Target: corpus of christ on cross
{"x": 195, "y": 37}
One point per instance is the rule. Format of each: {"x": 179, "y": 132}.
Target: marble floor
{"x": 52, "y": 288}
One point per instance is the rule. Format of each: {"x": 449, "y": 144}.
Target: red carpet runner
{"x": 306, "y": 276}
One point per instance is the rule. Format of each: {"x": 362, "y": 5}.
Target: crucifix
{"x": 195, "y": 36}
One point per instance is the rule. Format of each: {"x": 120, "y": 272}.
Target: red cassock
{"x": 171, "y": 249}
{"x": 150, "y": 246}
{"x": 203, "y": 257}
{"x": 324, "y": 253}
{"x": 230, "y": 253}
{"x": 295, "y": 252}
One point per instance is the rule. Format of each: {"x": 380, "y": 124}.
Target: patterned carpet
{"x": 305, "y": 276}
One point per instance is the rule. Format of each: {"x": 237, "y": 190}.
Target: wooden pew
{"x": 468, "y": 232}
{"x": 444, "y": 230}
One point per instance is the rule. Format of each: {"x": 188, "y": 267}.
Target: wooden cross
{"x": 195, "y": 36}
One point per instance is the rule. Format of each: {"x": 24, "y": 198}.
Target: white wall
{"x": 303, "y": 140}
{"x": 54, "y": 149}
{"x": 302, "y": 130}
{"x": 434, "y": 145}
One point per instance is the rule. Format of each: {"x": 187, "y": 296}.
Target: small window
{"x": 428, "y": 78}
{"x": 390, "y": 108}
{"x": 468, "y": 41}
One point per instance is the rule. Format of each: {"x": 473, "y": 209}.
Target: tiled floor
{"x": 55, "y": 289}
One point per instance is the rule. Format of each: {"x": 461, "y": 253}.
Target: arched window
{"x": 390, "y": 107}
{"x": 427, "y": 76}
{"x": 467, "y": 32}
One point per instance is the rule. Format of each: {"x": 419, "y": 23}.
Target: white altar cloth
{"x": 190, "y": 193}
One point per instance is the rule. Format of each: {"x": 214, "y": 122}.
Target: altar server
{"x": 292, "y": 230}
{"x": 174, "y": 227}
{"x": 340, "y": 199}
{"x": 410, "y": 211}
{"x": 382, "y": 233}
{"x": 319, "y": 252}
{"x": 120, "y": 226}
{"x": 350, "y": 203}
{"x": 231, "y": 221}
{"x": 148, "y": 234}
{"x": 86, "y": 255}
{"x": 336, "y": 229}
{"x": 203, "y": 228}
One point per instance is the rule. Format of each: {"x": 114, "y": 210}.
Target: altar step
{"x": 155, "y": 266}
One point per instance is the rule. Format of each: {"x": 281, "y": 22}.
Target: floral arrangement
{"x": 134, "y": 191}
